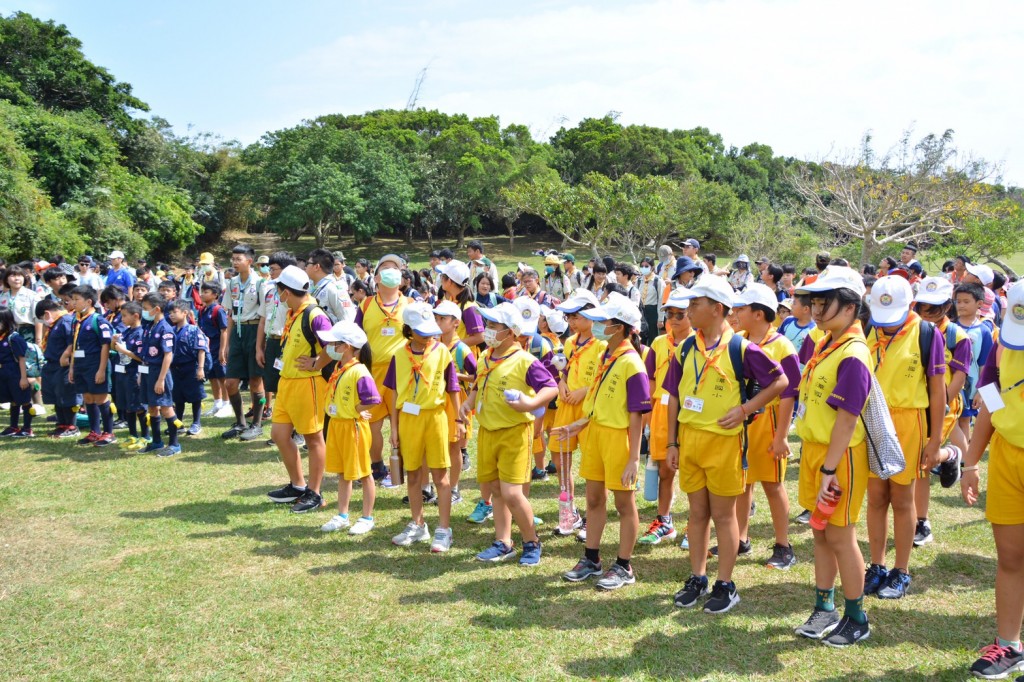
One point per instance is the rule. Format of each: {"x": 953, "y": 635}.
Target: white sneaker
{"x": 337, "y": 522}
{"x": 225, "y": 412}
{"x": 442, "y": 540}
{"x": 411, "y": 534}
{"x": 362, "y": 526}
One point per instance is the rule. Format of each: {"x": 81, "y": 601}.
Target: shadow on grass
{"x": 214, "y": 512}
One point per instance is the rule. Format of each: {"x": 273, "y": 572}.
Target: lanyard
{"x": 609, "y": 361}
{"x": 574, "y": 357}
{"x": 877, "y": 346}
{"x": 417, "y": 368}
{"x": 389, "y": 317}
{"x": 332, "y": 383}
{"x": 711, "y": 360}
{"x": 489, "y": 364}
{"x": 79, "y": 321}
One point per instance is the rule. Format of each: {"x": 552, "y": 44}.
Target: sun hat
{"x": 982, "y": 272}
{"x": 346, "y": 332}
{"x": 714, "y": 288}
{"x": 294, "y": 277}
{"x": 206, "y": 258}
{"x": 616, "y": 307}
{"x": 456, "y": 271}
{"x": 529, "y": 310}
{"x": 835, "y": 277}
{"x": 555, "y": 319}
{"x": 579, "y": 298}
{"x": 420, "y": 317}
{"x": 685, "y": 264}
{"x": 448, "y": 309}
{"x": 390, "y": 258}
{"x": 757, "y": 293}
{"x": 116, "y": 254}
{"x": 934, "y": 291}
{"x": 506, "y": 314}
{"x": 552, "y": 260}
{"x": 678, "y": 298}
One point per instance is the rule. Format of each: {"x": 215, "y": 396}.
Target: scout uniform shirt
{"x": 156, "y": 342}
{"x": 837, "y": 375}
{"x": 22, "y": 304}
{"x": 622, "y": 387}
{"x": 212, "y": 320}
{"x": 89, "y": 335}
{"x": 274, "y": 313}
{"x": 332, "y": 297}
{"x": 430, "y": 376}
{"x": 518, "y": 370}
{"x": 245, "y": 299}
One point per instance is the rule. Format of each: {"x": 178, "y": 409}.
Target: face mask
{"x": 147, "y": 315}
{"x": 645, "y": 270}
{"x": 391, "y": 278}
{"x": 334, "y": 353}
{"x": 265, "y": 269}
{"x": 491, "y": 338}
{"x": 549, "y": 269}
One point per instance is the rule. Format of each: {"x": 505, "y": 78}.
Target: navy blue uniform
{"x": 12, "y": 349}
{"x": 157, "y": 341}
{"x": 127, "y": 390}
{"x": 212, "y": 320}
{"x": 57, "y": 391}
{"x": 188, "y": 341}
{"x": 89, "y": 335}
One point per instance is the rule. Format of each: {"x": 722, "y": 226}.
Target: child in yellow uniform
{"x": 677, "y": 328}
{"x": 541, "y": 348}
{"x": 455, "y": 286}
{"x": 706, "y": 413}
{"x": 510, "y": 386}
{"x": 552, "y": 325}
{"x": 1000, "y": 428}
{"x": 915, "y": 390}
{"x": 350, "y": 394}
{"x": 613, "y": 418}
{"x": 767, "y": 434}
{"x": 933, "y": 302}
{"x": 422, "y": 378}
{"x": 448, "y": 317}
{"x": 834, "y": 388}
{"x": 583, "y": 359}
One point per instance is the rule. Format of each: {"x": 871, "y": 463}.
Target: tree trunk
{"x": 320, "y": 232}
{"x": 866, "y": 248}
{"x": 510, "y": 226}
{"x": 593, "y": 249}
{"x": 461, "y": 236}
{"x": 1002, "y": 266}
{"x": 408, "y": 234}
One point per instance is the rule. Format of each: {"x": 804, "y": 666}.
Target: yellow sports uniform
{"x": 420, "y": 395}
{"x": 761, "y": 463}
{"x": 1005, "y": 497}
{"x": 584, "y": 360}
{"x": 382, "y": 324}
{"x": 348, "y": 439}
{"x": 662, "y": 347}
{"x": 300, "y": 394}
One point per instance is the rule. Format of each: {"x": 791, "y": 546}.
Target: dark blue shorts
{"x": 129, "y": 393}
{"x": 218, "y": 371}
{"x": 151, "y": 397}
{"x": 85, "y": 379}
{"x": 10, "y": 388}
{"x": 187, "y": 387}
{"x": 968, "y": 410}
{"x": 56, "y": 389}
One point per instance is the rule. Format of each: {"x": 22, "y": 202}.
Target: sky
{"x": 807, "y": 77}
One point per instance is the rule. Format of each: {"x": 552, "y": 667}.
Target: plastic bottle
{"x": 397, "y": 472}
{"x": 652, "y": 479}
{"x": 512, "y": 395}
{"x": 823, "y": 512}
{"x": 565, "y": 513}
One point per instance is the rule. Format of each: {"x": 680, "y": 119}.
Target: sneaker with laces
{"x": 310, "y": 500}
{"x": 538, "y": 474}
{"x": 803, "y": 517}
{"x": 550, "y": 468}
{"x": 923, "y": 533}
{"x": 337, "y": 522}
{"x": 70, "y": 432}
{"x": 997, "y": 662}
{"x": 24, "y": 433}
{"x": 442, "y": 540}
{"x": 615, "y": 577}
{"x": 949, "y": 471}
{"x": 411, "y": 534}
{"x": 481, "y": 512}
{"x": 362, "y": 526}
{"x": 782, "y": 557}
{"x": 286, "y": 493}
{"x": 657, "y": 532}
{"x": 874, "y": 577}
{"x": 744, "y": 548}
{"x": 119, "y": 424}
{"x": 140, "y": 444}
{"x": 209, "y": 412}
{"x": 9, "y": 431}
{"x": 498, "y": 551}
{"x": 225, "y": 412}
{"x": 233, "y": 432}
{"x": 58, "y": 432}
{"x": 685, "y": 544}
{"x": 89, "y": 439}
{"x": 298, "y": 439}
{"x": 693, "y": 589}
{"x": 577, "y": 523}
{"x": 254, "y": 432}
{"x": 104, "y": 440}
{"x": 169, "y": 451}
{"x": 194, "y": 430}
{"x": 847, "y": 633}
{"x": 584, "y": 568}
{"x": 429, "y": 496}
{"x": 896, "y": 585}
{"x": 819, "y": 624}
{"x": 723, "y": 597}
{"x": 456, "y": 496}
{"x": 388, "y": 484}
{"x": 153, "y": 446}
{"x": 531, "y": 554}
{"x": 581, "y": 534}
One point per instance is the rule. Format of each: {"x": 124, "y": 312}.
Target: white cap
{"x": 616, "y": 307}
{"x": 420, "y": 316}
{"x": 1011, "y": 334}
{"x": 346, "y": 332}
{"x": 506, "y": 314}
{"x": 890, "y": 301}
{"x": 294, "y": 277}
{"x": 555, "y": 319}
{"x": 579, "y": 298}
{"x": 390, "y": 258}
{"x": 116, "y": 254}
{"x": 448, "y": 308}
{"x": 529, "y": 310}
{"x": 742, "y": 258}
{"x": 835, "y": 277}
{"x": 757, "y": 293}
{"x": 982, "y": 272}
{"x": 715, "y": 288}
{"x": 934, "y": 291}
{"x": 678, "y": 298}
{"x": 456, "y": 271}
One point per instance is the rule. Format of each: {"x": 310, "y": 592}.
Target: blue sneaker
{"x": 169, "y": 451}
{"x": 499, "y": 551}
{"x": 481, "y": 512}
{"x": 896, "y": 585}
{"x": 685, "y": 544}
{"x": 531, "y": 554}
{"x": 874, "y": 577}
{"x": 153, "y": 447}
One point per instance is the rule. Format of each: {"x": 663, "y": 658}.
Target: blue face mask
{"x": 549, "y": 269}
{"x": 265, "y": 269}
{"x": 645, "y": 270}
{"x": 147, "y": 315}
{"x": 600, "y": 331}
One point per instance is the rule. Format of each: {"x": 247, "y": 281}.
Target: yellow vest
{"x": 294, "y": 344}
{"x": 426, "y": 387}
{"x": 1009, "y": 421}
{"x": 818, "y": 384}
{"x": 492, "y": 378}
{"x": 899, "y": 367}
{"x": 709, "y": 377}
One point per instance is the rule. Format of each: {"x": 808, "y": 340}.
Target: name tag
{"x": 693, "y": 404}
{"x": 79, "y": 353}
{"x": 119, "y": 369}
{"x": 801, "y": 410}
{"x": 143, "y": 369}
{"x": 990, "y": 395}
{"x": 664, "y": 398}
{"x": 409, "y": 407}
{"x": 279, "y": 364}
{"x": 387, "y": 331}
{"x": 332, "y": 410}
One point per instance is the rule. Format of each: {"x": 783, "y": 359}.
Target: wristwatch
{"x": 827, "y": 472}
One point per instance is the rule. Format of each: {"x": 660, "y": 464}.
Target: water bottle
{"x": 565, "y": 513}
{"x": 397, "y": 471}
{"x": 652, "y": 479}
{"x": 823, "y": 512}
{"x": 512, "y": 395}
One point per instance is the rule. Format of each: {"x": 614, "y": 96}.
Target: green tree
{"x": 317, "y": 198}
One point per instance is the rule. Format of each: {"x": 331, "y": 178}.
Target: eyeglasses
{"x": 681, "y": 315}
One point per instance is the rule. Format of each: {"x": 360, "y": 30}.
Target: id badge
{"x": 991, "y": 397}
{"x": 119, "y": 369}
{"x": 332, "y": 410}
{"x": 79, "y": 353}
{"x": 143, "y": 369}
{"x": 387, "y": 331}
{"x": 693, "y": 404}
{"x": 409, "y": 407}
{"x": 801, "y": 410}
{"x": 664, "y": 398}
{"x": 279, "y": 364}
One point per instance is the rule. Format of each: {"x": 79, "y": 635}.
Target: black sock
{"x": 107, "y": 417}
{"x": 622, "y": 562}
{"x": 179, "y": 407}
{"x": 93, "y": 410}
{"x": 15, "y": 412}
{"x": 58, "y": 412}
{"x": 27, "y": 421}
{"x": 236, "y": 406}
{"x": 143, "y": 425}
{"x": 133, "y": 427}
{"x": 154, "y": 422}
{"x": 172, "y": 431}
{"x": 197, "y": 410}
{"x": 258, "y": 402}
{"x": 593, "y": 555}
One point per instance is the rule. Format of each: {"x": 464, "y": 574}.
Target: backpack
{"x": 34, "y": 360}
{"x": 312, "y": 340}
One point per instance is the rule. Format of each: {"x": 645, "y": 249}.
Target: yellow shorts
{"x": 658, "y": 442}
{"x": 348, "y": 448}
{"x": 761, "y": 463}
{"x": 300, "y": 402}
{"x": 549, "y": 418}
{"x": 1005, "y": 497}
{"x": 380, "y": 410}
{"x": 710, "y": 460}
{"x": 604, "y": 455}
{"x": 504, "y": 454}
{"x": 851, "y": 474}
{"x": 911, "y": 427}
{"x": 951, "y": 418}
{"x": 567, "y": 414}
{"x": 453, "y": 426}
{"x": 424, "y": 435}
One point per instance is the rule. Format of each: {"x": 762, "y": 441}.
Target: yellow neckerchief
{"x": 417, "y": 367}
{"x": 79, "y": 319}
{"x": 574, "y": 359}
{"x": 876, "y": 344}
{"x": 332, "y": 383}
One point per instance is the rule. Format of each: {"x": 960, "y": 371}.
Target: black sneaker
{"x": 997, "y": 662}
{"x": 233, "y": 432}
{"x": 949, "y": 471}
{"x": 803, "y": 517}
{"x": 465, "y": 462}
{"x": 753, "y": 508}
{"x": 119, "y": 424}
{"x": 782, "y": 557}
{"x": 584, "y": 568}
{"x": 874, "y": 577}
{"x": 9, "y": 431}
{"x": 693, "y": 589}
{"x": 287, "y": 493}
{"x": 723, "y": 597}
{"x": 550, "y": 468}
{"x": 744, "y": 548}
{"x": 848, "y": 632}
{"x": 430, "y": 496}
{"x": 538, "y": 474}
{"x": 308, "y": 501}
{"x": 923, "y": 533}
{"x": 819, "y": 624}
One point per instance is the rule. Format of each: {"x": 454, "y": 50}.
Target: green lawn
{"x": 124, "y": 566}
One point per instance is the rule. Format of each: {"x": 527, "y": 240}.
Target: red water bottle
{"x": 823, "y": 512}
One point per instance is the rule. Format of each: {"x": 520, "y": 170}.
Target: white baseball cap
{"x": 890, "y": 301}
{"x": 456, "y": 271}
{"x": 579, "y": 298}
{"x": 678, "y": 298}
{"x": 835, "y": 277}
{"x": 715, "y": 288}
{"x": 420, "y": 317}
{"x": 390, "y": 258}
{"x": 616, "y": 307}
{"x": 448, "y": 308}
{"x": 1011, "y": 334}
{"x": 116, "y": 254}
{"x": 757, "y": 293}
{"x": 934, "y": 291}
{"x": 529, "y": 310}
{"x": 506, "y": 314}
{"x": 555, "y": 319}
{"x": 294, "y": 277}
{"x": 346, "y": 332}
{"x": 982, "y": 272}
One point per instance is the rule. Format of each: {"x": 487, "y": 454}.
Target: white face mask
{"x": 491, "y": 338}
{"x": 645, "y": 270}
{"x": 391, "y": 278}
{"x": 334, "y": 353}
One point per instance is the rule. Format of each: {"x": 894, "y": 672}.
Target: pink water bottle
{"x": 565, "y": 513}
{"x": 823, "y": 512}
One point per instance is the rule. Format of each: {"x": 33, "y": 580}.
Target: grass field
{"x": 124, "y": 566}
